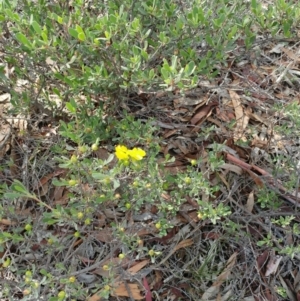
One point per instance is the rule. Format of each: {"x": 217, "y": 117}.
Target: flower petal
{"x": 122, "y": 152}
{"x": 137, "y": 153}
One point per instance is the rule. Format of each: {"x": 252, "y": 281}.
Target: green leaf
{"x": 73, "y": 33}
{"x": 202, "y": 64}
{"x": 109, "y": 159}
{"x": 98, "y": 176}
{"x": 59, "y": 183}
{"x": 79, "y": 29}
{"x": 189, "y": 68}
{"x": 70, "y": 107}
{"x": 12, "y": 16}
{"x": 59, "y": 20}
{"x": 19, "y": 187}
{"x": 81, "y": 36}
{"x": 116, "y": 183}
{"x": 12, "y": 195}
{"x": 44, "y": 36}
{"x": 36, "y": 27}
{"x": 232, "y": 32}
{"x": 107, "y": 35}
{"x": 174, "y": 62}
{"x": 165, "y": 73}
{"x": 23, "y": 39}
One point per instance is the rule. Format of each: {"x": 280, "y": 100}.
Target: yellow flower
{"x": 122, "y": 152}
{"x": 137, "y": 154}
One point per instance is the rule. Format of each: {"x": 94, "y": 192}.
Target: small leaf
{"x": 73, "y": 33}
{"x": 19, "y": 187}
{"x": 70, "y": 107}
{"x": 59, "y": 20}
{"x": 109, "y": 159}
{"x": 98, "y": 176}
{"x": 36, "y": 27}
{"x": 107, "y": 35}
{"x": 79, "y": 29}
{"x": 81, "y": 36}
{"x": 116, "y": 184}
{"x": 12, "y": 195}
{"x": 174, "y": 62}
{"x": 147, "y": 33}
{"x": 44, "y": 36}
{"x": 59, "y": 183}
{"x": 23, "y": 39}
{"x": 189, "y": 68}
{"x": 165, "y": 73}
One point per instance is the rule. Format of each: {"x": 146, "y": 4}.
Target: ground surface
{"x": 199, "y": 260}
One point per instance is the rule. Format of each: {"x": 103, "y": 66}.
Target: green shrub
{"x": 80, "y": 63}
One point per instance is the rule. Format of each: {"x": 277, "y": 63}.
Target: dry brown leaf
{"x": 225, "y": 274}
{"x": 261, "y": 260}
{"x": 187, "y": 101}
{"x": 182, "y": 146}
{"x": 170, "y": 133}
{"x": 7, "y": 222}
{"x": 61, "y": 199}
{"x": 120, "y": 288}
{"x": 256, "y": 178}
{"x": 273, "y": 265}
{"x": 256, "y": 117}
{"x": 241, "y": 119}
{"x": 105, "y": 235}
{"x": 291, "y": 55}
{"x": 259, "y": 143}
{"x": 122, "y": 291}
{"x": 222, "y": 177}
{"x": 183, "y": 244}
{"x": 95, "y": 297}
{"x": 200, "y": 116}
{"x": 214, "y": 289}
{"x": 250, "y": 202}
{"x": 225, "y": 115}
{"x": 133, "y": 270}
{"x": 233, "y": 168}
{"x": 58, "y": 192}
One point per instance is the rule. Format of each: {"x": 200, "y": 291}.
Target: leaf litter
{"x": 204, "y": 263}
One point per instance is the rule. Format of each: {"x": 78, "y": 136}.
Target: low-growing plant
{"x": 80, "y": 63}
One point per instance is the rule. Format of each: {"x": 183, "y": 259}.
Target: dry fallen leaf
{"x": 250, "y": 202}
{"x": 128, "y": 290}
{"x": 120, "y": 288}
{"x": 183, "y": 244}
{"x": 201, "y": 115}
{"x": 232, "y": 168}
{"x": 273, "y": 265}
{"x": 7, "y": 222}
{"x": 214, "y": 289}
{"x": 241, "y": 118}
